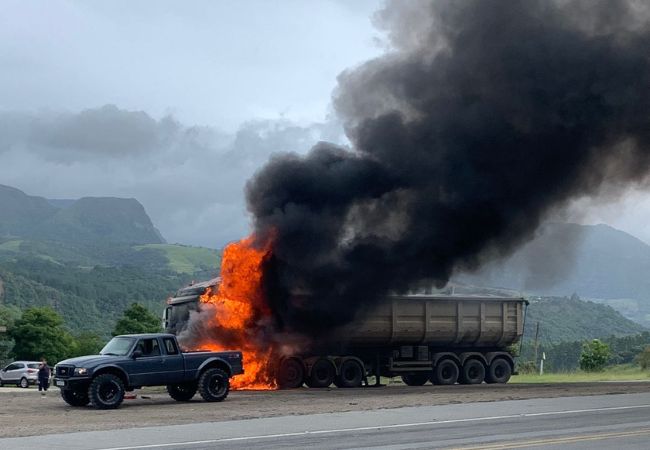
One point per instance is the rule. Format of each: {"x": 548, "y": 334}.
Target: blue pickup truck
{"x": 131, "y": 361}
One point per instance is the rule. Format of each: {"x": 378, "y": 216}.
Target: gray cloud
{"x": 189, "y": 178}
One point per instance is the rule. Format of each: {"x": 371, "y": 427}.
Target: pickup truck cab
{"x": 134, "y": 360}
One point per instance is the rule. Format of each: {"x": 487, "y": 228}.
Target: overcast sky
{"x": 178, "y": 103}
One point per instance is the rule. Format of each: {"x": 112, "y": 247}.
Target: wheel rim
{"x": 499, "y": 371}
{"x": 109, "y": 391}
{"x": 216, "y": 386}
{"x": 24, "y": 383}
{"x": 291, "y": 374}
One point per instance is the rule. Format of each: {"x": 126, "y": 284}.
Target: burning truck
{"x": 442, "y": 339}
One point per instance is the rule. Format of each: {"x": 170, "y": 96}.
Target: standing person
{"x": 43, "y": 377}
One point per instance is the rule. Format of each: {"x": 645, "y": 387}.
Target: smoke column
{"x": 483, "y": 117}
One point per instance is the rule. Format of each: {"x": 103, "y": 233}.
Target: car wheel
{"x": 106, "y": 391}
{"x": 75, "y": 397}
{"x": 182, "y": 392}
{"x": 23, "y": 383}
{"x": 214, "y": 385}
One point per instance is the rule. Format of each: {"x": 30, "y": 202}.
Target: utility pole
{"x": 536, "y": 342}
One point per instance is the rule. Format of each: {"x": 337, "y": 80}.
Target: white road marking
{"x": 378, "y": 427}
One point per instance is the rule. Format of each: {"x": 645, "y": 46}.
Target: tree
{"x": 40, "y": 333}
{"x": 8, "y": 316}
{"x": 643, "y": 358}
{"x": 137, "y": 319}
{"x": 594, "y": 356}
{"x": 87, "y": 343}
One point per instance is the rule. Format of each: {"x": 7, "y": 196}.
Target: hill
{"x": 563, "y": 319}
{"x": 597, "y": 262}
{"x": 88, "y": 219}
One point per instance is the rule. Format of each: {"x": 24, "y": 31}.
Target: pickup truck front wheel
{"x": 106, "y": 391}
{"x": 182, "y": 392}
{"x": 214, "y": 385}
{"x": 75, "y": 397}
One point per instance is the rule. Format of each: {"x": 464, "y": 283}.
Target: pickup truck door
{"x": 148, "y": 369}
{"x": 173, "y": 362}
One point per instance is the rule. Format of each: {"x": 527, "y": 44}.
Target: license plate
{"x": 60, "y": 383}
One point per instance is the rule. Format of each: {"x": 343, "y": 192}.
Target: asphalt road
{"x": 606, "y": 421}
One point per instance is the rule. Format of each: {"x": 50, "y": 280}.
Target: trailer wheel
{"x": 350, "y": 374}
{"x": 214, "y": 385}
{"x": 499, "y": 371}
{"x": 445, "y": 372}
{"x": 473, "y": 372}
{"x": 106, "y": 391}
{"x": 322, "y": 374}
{"x": 291, "y": 374}
{"x": 416, "y": 379}
{"x": 182, "y": 392}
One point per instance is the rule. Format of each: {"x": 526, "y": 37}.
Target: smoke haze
{"x": 484, "y": 117}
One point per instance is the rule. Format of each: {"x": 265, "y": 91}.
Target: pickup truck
{"x": 131, "y": 361}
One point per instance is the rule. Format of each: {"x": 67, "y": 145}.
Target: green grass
{"x": 613, "y": 373}
{"x": 187, "y": 259}
{"x": 11, "y": 246}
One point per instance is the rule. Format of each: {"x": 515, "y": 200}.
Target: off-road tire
{"x": 473, "y": 372}
{"x": 106, "y": 391}
{"x": 498, "y": 372}
{"x": 291, "y": 374}
{"x": 214, "y": 385}
{"x": 322, "y": 374}
{"x": 350, "y": 374}
{"x": 446, "y": 372}
{"x": 23, "y": 383}
{"x": 75, "y": 397}
{"x": 182, "y": 392}
{"x": 416, "y": 379}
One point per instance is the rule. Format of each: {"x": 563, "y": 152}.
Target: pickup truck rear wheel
{"x": 75, "y": 397}
{"x": 214, "y": 385}
{"x": 106, "y": 391}
{"x": 182, "y": 392}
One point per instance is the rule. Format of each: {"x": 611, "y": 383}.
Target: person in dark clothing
{"x": 43, "y": 377}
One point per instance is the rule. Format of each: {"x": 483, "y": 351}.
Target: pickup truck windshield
{"x": 118, "y": 346}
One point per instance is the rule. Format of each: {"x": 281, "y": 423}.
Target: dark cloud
{"x": 483, "y": 118}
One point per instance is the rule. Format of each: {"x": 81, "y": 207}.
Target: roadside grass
{"x": 187, "y": 259}
{"x": 627, "y": 372}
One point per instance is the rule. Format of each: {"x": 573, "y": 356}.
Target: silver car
{"x": 20, "y": 373}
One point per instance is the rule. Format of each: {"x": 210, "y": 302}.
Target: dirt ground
{"x": 25, "y": 412}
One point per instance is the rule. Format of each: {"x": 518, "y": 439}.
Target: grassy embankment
{"x": 614, "y": 373}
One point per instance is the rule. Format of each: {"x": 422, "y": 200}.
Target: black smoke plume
{"x": 483, "y": 117}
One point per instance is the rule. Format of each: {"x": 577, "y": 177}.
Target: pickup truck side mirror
{"x": 137, "y": 354}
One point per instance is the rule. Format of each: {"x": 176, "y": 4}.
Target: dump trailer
{"x": 442, "y": 339}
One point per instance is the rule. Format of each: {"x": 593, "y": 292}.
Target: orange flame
{"x": 240, "y": 311}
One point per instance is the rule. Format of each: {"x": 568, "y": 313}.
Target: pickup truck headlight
{"x": 80, "y": 371}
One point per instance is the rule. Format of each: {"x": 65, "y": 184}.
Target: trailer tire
{"x": 106, "y": 391}
{"x": 416, "y": 379}
{"x": 322, "y": 374}
{"x": 350, "y": 374}
{"x": 473, "y": 372}
{"x": 291, "y": 374}
{"x": 182, "y": 392}
{"x": 75, "y": 397}
{"x": 214, "y": 385}
{"x": 499, "y": 371}
{"x": 446, "y": 372}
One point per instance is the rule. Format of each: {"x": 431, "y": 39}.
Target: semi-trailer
{"x": 442, "y": 339}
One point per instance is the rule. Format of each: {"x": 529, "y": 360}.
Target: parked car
{"x": 20, "y": 373}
